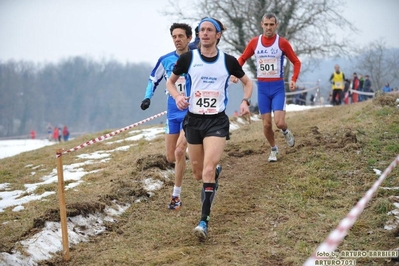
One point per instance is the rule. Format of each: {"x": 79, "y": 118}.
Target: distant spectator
{"x": 337, "y": 80}
{"x": 355, "y": 87}
{"x": 303, "y": 97}
{"x": 386, "y": 88}
{"x": 367, "y": 86}
{"x": 49, "y": 131}
{"x": 65, "y": 133}
{"x": 361, "y": 88}
{"x": 32, "y": 134}
{"x": 312, "y": 99}
{"x": 55, "y": 134}
{"x": 59, "y": 134}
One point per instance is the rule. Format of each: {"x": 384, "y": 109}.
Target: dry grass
{"x": 264, "y": 213}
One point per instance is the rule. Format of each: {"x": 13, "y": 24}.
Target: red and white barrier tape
{"x": 362, "y": 92}
{"x": 336, "y": 236}
{"x": 111, "y": 134}
{"x": 299, "y": 91}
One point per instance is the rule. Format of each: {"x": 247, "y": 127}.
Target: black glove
{"x": 145, "y": 103}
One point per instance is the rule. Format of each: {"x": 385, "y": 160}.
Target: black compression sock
{"x": 208, "y": 192}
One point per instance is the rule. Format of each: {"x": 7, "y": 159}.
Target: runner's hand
{"x": 292, "y": 85}
{"x": 234, "y": 79}
{"x": 182, "y": 102}
{"x": 145, "y": 104}
{"x": 244, "y": 108}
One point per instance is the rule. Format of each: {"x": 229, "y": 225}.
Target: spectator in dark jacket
{"x": 367, "y": 86}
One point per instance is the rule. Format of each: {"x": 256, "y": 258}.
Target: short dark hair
{"x": 187, "y": 28}
{"x": 269, "y": 16}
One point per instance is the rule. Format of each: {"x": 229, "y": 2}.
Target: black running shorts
{"x": 197, "y": 127}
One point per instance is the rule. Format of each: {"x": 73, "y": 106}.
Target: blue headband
{"x": 214, "y": 22}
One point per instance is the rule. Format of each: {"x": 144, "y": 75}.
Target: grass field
{"x": 264, "y": 213}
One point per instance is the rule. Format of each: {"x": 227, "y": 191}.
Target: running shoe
{"x": 273, "y": 155}
{"x": 217, "y": 174}
{"x": 289, "y": 138}
{"x": 201, "y": 231}
{"x": 175, "y": 203}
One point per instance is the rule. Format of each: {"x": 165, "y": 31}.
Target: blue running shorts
{"x": 271, "y": 96}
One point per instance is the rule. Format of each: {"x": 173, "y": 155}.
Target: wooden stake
{"x": 61, "y": 194}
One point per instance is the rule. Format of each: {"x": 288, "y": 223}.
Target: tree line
{"x": 87, "y": 96}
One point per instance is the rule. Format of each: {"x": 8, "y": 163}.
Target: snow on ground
{"x": 48, "y": 241}
{"x": 13, "y": 147}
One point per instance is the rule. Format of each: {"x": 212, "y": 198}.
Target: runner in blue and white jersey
{"x": 175, "y": 140}
{"x": 206, "y": 124}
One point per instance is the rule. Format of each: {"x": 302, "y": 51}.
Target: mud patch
{"x": 242, "y": 153}
{"x": 74, "y": 209}
{"x": 386, "y": 99}
{"x": 129, "y": 189}
{"x": 126, "y": 190}
{"x": 153, "y": 160}
{"x": 346, "y": 139}
{"x": 238, "y": 151}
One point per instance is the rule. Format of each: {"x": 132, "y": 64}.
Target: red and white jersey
{"x": 270, "y": 60}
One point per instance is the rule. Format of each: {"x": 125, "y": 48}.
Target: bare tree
{"x": 311, "y": 26}
{"x": 380, "y": 63}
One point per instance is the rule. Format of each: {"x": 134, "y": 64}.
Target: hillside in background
{"x": 89, "y": 96}
{"x": 264, "y": 213}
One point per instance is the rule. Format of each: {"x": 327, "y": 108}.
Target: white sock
{"x": 176, "y": 191}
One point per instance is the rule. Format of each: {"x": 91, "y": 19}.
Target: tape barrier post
{"x": 61, "y": 196}
{"x": 336, "y": 236}
{"x": 61, "y": 185}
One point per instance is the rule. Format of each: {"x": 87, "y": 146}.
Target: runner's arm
{"x": 157, "y": 74}
{"x": 247, "y": 83}
{"x": 248, "y": 52}
{"x": 289, "y": 52}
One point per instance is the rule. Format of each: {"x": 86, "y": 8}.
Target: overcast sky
{"x": 133, "y": 30}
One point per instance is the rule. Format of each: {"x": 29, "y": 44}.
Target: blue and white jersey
{"x": 162, "y": 70}
{"x": 209, "y": 81}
